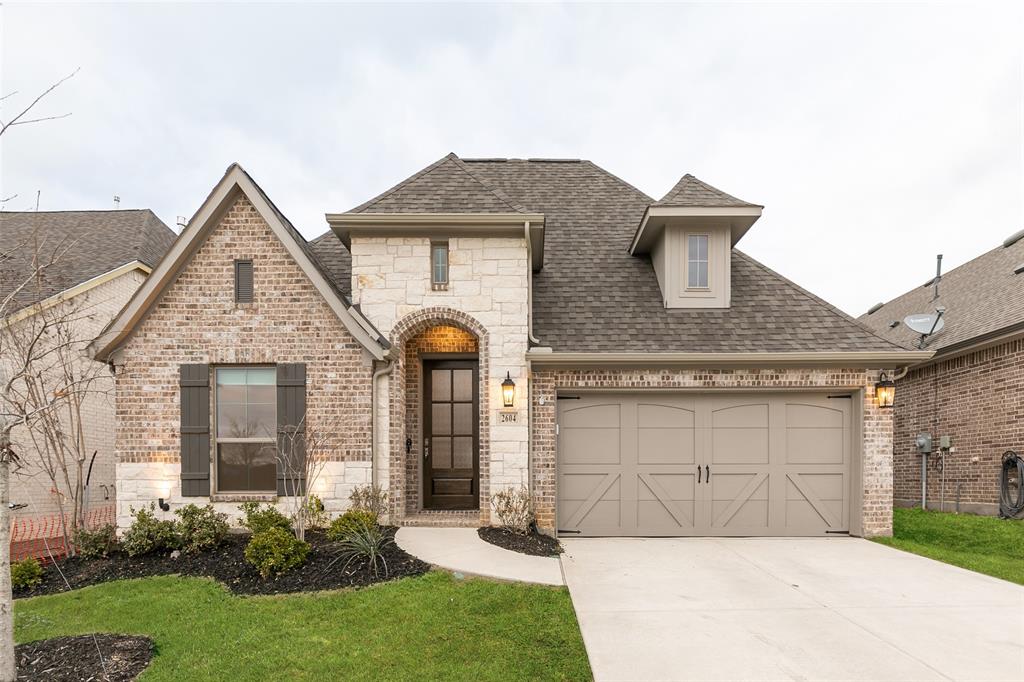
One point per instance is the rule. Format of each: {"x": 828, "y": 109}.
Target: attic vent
{"x": 243, "y": 281}
{"x": 875, "y": 308}
{"x": 1013, "y": 238}
{"x": 1019, "y": 269}
{"x": 894, "y": 324}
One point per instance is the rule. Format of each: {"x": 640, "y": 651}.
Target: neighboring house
{"x": 664, "y": 382}
{"x": 102, "y": 257}
{"x": 971, "y": 390}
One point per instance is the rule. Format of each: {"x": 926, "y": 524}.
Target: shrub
{"x": 148, "y": 533}
{"x": 371, "y": 498}
{"x": 352, "y": 520}
{"x": 365, "y": 543}
{"x": 275, "y": 551}
{"x": 26, "y": 574}
{"x": 93, "y": 544}
{"x": 514, "y": 509}
{"x": 259, "y": 518}
{"x": 316, "y": 514}
{"x": 201, "y": 527}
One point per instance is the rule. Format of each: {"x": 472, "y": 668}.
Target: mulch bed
{"x": 534, "y": 544}
{"x": 228, "y": 565}
{"x": 76, "y": 659}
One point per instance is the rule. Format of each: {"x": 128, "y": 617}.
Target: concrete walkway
{"x": 788, "y": 609}
{"x": 462, "y": 550}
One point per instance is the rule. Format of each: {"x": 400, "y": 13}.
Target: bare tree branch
{"x": 15, "y": 121}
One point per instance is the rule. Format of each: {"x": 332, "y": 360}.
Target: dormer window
{"x": 439, "y": 265}
{"x": 697, "y": 261}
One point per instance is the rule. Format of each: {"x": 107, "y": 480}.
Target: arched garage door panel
{"x": 676, "y": 465}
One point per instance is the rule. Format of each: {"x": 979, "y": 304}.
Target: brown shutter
{"x": 291, "y": 426}
{"x": 243, "y": 281}
{"x": 195, "y": 430}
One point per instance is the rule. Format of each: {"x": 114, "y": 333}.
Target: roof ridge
{"x": 995, "y": 249}
{"x": 79, "y": 210}
{"x": 689, "y": 179}
{"x": 504, "y": 198}
{"x": 391, "y": 190}
{"x": 816, "y": 299}
{"x": 616, "y": 178}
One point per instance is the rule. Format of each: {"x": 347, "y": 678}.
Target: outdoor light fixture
{"x": 165, "y": 506}
{"x": 508, "y": 390}
{"x": 165, "y": 493}
{"x": 885, "y": 391}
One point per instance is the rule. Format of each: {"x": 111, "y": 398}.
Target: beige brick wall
{"x": 978, "y": 399}
{"x": 91, "y": 311}
{"x": 198, "y": 321}
{"x": 876, "y": 458}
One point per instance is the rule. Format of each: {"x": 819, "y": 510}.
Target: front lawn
{"x": 980, "y": 543}
{"x": 432, "y": 627}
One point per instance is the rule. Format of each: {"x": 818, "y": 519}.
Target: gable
{"x": 235, "y": 184}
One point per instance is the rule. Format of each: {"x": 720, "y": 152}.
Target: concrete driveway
{"x": 788, "y": 609}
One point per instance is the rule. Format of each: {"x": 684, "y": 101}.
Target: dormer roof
{"x": 692, "y": 191}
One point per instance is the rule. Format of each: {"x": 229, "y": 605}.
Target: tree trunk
{"x": 8, "y": 670}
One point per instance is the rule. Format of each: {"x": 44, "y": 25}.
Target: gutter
{"x": 980, "y": 342}
{"x": 545, "y": 357}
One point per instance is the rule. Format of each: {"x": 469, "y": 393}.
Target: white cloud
{"x": 876, "y": 135}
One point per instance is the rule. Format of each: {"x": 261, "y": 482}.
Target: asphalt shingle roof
{"x": 981, "y": 297}
{"x": 691, "y": 191}
{"x": 90, "y": 243}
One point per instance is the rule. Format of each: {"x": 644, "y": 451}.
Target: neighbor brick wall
{"x": 90, "y": 311}
{"x": 978, "y": 399}
{"x": 198, "y": 321}
{"x": 876, "y": 427}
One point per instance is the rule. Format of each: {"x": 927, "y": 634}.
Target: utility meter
{"x": 923, "y": 443}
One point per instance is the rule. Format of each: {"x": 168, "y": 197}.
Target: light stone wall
{"x": 488, "y": 282}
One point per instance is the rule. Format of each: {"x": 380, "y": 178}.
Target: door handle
{"x": 426, "y": 448}
{"x": 707, "y": 474}
{"x": 698, "y": 473}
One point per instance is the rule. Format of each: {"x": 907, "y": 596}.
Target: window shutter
{"x": 194, "y": 385}
{"x": 243, "y": 281}
{"x": 291, "y": 428}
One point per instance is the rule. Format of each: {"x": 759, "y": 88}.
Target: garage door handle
{"x": 707, "y": 474}
{"x": 698, "y": 473}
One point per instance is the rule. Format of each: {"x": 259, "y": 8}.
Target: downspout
{"x": 529, "y": 284}
{"x": 377, "y": 374}
{"x": 529, "y": 366}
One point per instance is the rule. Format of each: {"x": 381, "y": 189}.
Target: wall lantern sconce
{"x": 508, "y": 391}
{"x": 885, "y": 391}
{"x": 163, "y": 504}
{"x": 165, "y": 490}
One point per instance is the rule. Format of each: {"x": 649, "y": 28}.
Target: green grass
{"x": 433, "y": 627}
{"x": 979, "y": 543}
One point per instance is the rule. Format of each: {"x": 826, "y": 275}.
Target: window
{"x": 243, "y": 281}
{"x": 246, "y": 431}
{"x": 697, "y": 261}
{"x": 439, "y": 265}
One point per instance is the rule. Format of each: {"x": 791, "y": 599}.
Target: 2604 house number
{"x": 508, "y": 417}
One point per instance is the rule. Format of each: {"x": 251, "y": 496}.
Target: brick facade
{"x": 876, "y": 426}
{"x": 197, "y": 321}
{"x": 978, "y": 399}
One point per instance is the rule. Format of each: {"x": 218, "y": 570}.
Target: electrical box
{"x": 924, "y": 443}
{"x": 945, "y": 442}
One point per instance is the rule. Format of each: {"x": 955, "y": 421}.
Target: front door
{"x": 451, "y": 434}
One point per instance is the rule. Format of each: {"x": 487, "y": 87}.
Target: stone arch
{"x": 404, "y": 468}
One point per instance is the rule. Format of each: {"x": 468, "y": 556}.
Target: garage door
{"x": 729, "y": 464}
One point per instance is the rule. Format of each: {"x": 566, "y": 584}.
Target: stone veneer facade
{"x": 876, "y": 465}
{"x": 487, "y": 299}
{"x": 978, "y": 399}
{"x": 198, "y": 321}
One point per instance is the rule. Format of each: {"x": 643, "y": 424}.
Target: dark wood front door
{"x": 451, "y": 434}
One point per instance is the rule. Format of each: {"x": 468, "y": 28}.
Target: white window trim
{"x": 686, "y": 261}
{"x": 216, "y": 440}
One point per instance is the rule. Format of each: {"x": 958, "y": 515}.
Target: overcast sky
{"x": 876, "y": 136}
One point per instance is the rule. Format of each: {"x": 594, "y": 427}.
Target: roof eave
{"x": 646, "y": 234}
{"x": 850, "y": 359}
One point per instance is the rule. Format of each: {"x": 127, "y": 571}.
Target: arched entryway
{"x": 438, "y": 414}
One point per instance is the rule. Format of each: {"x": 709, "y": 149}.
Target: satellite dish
{"x": 925, "y": 323}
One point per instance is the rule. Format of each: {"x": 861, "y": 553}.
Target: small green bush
{"x": 371, "y": 498}
{"x": 201, "y": 527}
{"x": 94, "y": 544}
{"x": 349, "y": 522}
{"x": 275, "y": 551}
{"x": 26, "y": 574}
{"x": 316, "y": 513}
{"x": 364, "y": 543}
{"x": 149, "y": 534}
{"x": 259, "y": 518}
